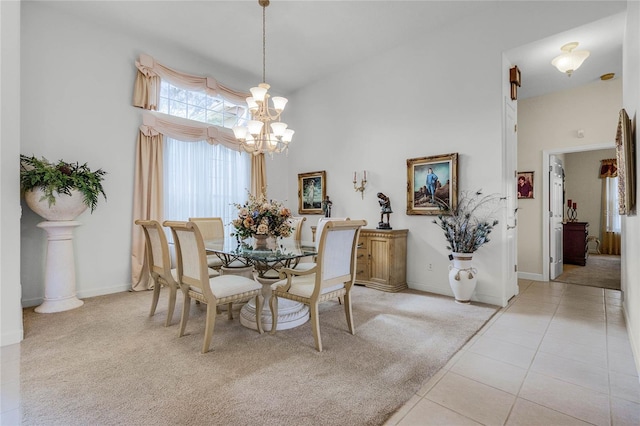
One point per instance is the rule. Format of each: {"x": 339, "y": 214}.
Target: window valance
{"x": 187, "y": 130}
{"x": 147, "y": 84}
{"x": 608, "y": 168}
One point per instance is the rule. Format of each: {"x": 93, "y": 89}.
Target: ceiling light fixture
{"x": 264, "y": 132}
{"x": 571, "y": 59}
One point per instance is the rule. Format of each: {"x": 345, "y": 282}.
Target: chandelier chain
{"x": 264, "y": 44}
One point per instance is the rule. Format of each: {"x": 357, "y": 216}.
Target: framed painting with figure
{"x": 312, "y": 189}
{"x": 525, "y": 185}
{"x": 432, "y": 184}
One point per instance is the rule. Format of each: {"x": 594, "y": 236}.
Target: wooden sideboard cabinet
{"x": 574, "y": 241}
{"x": 382, "y": 259}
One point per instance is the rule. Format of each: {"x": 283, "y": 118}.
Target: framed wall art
{"x": 626, "y": 155}
{"x": 432, "y": 184}
{"x": 525, "y": 185}
{"x": 312, "y": 189}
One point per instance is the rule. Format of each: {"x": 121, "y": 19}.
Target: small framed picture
{"x": 525, "y": 185}
{"x": 432, "y": 184}
{"x": 312, "y": 189}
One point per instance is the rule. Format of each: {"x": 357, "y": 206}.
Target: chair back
{"x": 211, "y": 228}
{"x": 296, "y": 223}
{"x": 337, "y": 255}
{"x": 321, "y": 224}
{"x": 157, "y": 248}
{"x": 191, "y": 256}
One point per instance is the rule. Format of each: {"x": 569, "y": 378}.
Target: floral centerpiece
{"x": 261, "y": 217}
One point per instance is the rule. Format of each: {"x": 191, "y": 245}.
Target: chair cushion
{"x": 228, "y": 285}
{"x": 214, "y": 261}
{"x": 302, "y": 286}
{"x": 305, "y": 266}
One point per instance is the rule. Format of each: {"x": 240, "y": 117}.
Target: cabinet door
{"x": 379, "y": 249}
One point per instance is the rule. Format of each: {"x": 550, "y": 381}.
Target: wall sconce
{"x": 571, "y": 59}
{"x": 363, "y": 183}
{"x": 514, "y": 79}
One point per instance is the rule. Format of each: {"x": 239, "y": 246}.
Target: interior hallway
{"x": 559, "y": 354}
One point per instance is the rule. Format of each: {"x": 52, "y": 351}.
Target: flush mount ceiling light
{"x": 264, "y": 132}
{"x": 571, "y": 59}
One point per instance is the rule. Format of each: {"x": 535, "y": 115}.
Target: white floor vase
{"x": 462, "y": 277}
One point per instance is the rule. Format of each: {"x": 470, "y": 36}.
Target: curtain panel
{"x": 147, "y": 85}
{"x": 147, "y": 200}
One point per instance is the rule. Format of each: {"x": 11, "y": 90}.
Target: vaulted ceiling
{"x": 307, "y": 40}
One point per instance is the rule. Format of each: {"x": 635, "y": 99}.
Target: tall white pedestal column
{"x": 60, "y": 268}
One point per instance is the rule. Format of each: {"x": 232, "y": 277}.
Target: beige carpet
{"x": 601, "y": 270}
{"x": 108, "y": 363}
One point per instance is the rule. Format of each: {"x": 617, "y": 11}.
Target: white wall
{"x": 420, "y": 99}
{"x": 10, "y": 289}
{"x": 631, "y": 224}
{"x": 584, "y": 186}
{"x": 78, "y": 103}
{"x": 550, "y": 123}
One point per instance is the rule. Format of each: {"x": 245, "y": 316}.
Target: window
{"x": 612, "y": 215}
{"x": 199, "y": 106}
{"x": 202, "y": 180}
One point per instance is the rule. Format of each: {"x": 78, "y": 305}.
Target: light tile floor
{"x": 559, "y": 354}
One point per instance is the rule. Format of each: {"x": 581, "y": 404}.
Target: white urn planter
{"x": 60, "y": 270}
{"x": 462, "y": 277}
{"x": 66, "y": 207}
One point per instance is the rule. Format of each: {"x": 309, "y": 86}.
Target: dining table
{"x": 241, "y": 258}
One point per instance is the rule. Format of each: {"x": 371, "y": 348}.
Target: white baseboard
{"x": 28, "y": 303}
{"x": 530, "y": 276}
{"x": 12, "y": 337}
{"x": 446, "y": 291}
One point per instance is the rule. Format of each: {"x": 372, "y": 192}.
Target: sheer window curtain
{"x": 611, "y": 221}
{"x": 203, "y": 180}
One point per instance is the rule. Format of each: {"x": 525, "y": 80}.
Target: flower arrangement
{"x": 467, "y": 226}
{"x": 61, "y": 178}
{"x": 261, "y": 217}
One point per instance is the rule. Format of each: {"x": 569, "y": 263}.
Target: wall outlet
{"x": 429, "y": 267}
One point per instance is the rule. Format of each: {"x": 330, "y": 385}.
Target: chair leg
{"x": 172, "y": 305}
{"x": 273, "y": 304}
{"x": 209, "y": 326}
{"x": 315, "y": 325}
{"x": 258, "y": 315}
{"x": 186, "y": 307}
{"x": 348, "y": 312}
{"x": 229, "y": 311}
{"x": 156, "y": 296}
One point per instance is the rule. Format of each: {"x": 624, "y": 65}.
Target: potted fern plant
{"x": 466, "y": 228}
{"x": 61, "y": 190}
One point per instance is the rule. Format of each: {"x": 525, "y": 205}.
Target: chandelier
{"x": 571, "y": 59}
{"x": 264, "y": 132}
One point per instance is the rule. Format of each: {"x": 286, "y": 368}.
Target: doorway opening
{"x": 563, "y": 239}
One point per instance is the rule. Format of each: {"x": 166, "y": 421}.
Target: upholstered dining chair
{"x": 158, "y": 258}
{"x": 159, "y": 262}
{"x": 196, "y": 284}
{"x": 296, "y": 223}
{"x": 319, "y": 228}
{"x": 332, "y": 276}
{"x": 211, "y": 228}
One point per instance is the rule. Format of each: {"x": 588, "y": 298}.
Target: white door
{"x": 556, "y": 206}
{"x": 511, "y": 157}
